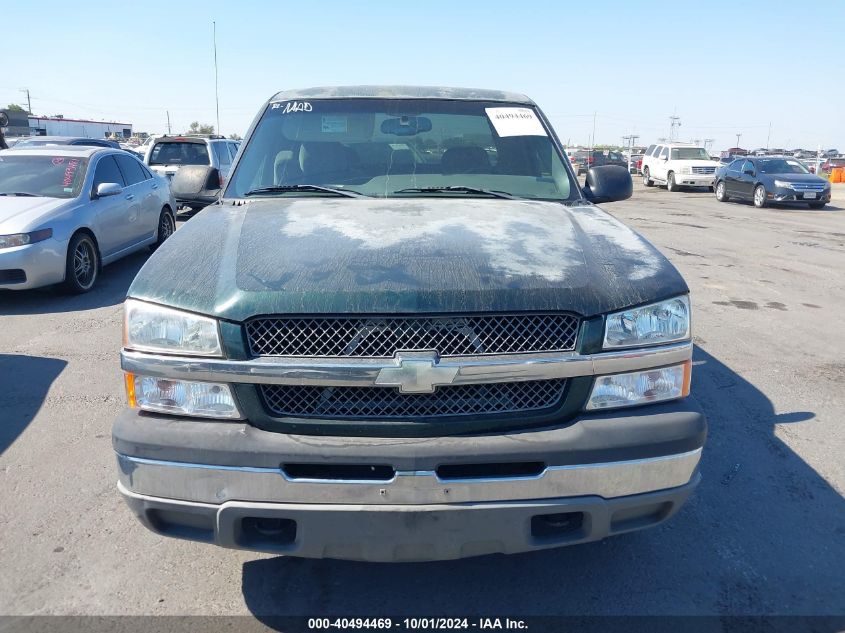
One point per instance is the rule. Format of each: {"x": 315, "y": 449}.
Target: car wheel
{"x": 817, "y": 205}
{"x": 166, "y": 227}
{"x": 647, "y": 181}
{"x": 83, "y": 264}
{"x": 759, "y": 196}
{"x": 721, "y": 196}
{"x": 670, "y": 182}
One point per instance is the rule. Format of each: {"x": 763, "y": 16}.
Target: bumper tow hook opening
{"x": 267, "y": 532}
{"x": 554, "y": 526}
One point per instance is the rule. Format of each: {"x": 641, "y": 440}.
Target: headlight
{"x": 22, "y": 239}
{"x": 181, "y": 397}
{"x": 686, "y": 170}
{"x": 783, "y": 184}
{"x": 152, "y": 328}
{"x": 640, "y": 387}
{"x": 663, "y": 322}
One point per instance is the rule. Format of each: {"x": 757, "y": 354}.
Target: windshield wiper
{"x": 22, "y": 194}
{"x": 459, "y": 189}
{"x": 317, "y": 188}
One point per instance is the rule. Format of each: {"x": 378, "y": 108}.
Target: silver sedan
{"x": 67, "y": 211}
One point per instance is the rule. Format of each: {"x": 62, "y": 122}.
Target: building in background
{"x": 60, "y": 126}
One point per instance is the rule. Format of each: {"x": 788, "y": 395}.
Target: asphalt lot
{"x": 764, "y": 534}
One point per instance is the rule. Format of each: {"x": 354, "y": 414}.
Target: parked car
{"x": 636, "y": 163}
{"x": 210, "y": 157}
{"x": 44, "y": 141}
{"x": 67, "y": 211}
{"x": 378, "y": 355}
{"x": 830, "y": 163}
{"x": 771, "y": 179}
{"x": 678, "y": 165}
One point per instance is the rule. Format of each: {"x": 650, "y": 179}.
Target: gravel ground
{"x": 763, "y": 535}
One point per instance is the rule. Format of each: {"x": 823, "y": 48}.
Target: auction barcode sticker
{"x": 515, "y": 122}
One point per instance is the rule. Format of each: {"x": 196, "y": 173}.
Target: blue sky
{"x": 724, "y": 67}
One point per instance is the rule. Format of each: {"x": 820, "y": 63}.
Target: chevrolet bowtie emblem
{"x": 416, "y": 373}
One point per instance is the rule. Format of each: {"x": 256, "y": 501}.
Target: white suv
{"x": 678, "y": 165}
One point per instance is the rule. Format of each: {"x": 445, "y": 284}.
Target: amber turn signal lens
{"x": 685, "y": 389}
{"x": 130, "y": 390}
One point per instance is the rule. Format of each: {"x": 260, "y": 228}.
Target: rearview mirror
{"x": 608, "y": 183}
{"x": 105, "y": 189}
{"x": 406, "y": 125}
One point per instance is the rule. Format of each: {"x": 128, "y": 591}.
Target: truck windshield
{"x": 401, "y": 148}
{"x": 49, "y": 176}
{"x": 690, "y": 153}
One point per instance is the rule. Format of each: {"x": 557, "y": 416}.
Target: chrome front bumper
{"x": 205, "y": 483}
{"x": 392, "y": 531}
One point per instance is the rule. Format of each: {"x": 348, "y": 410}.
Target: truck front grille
{"x": 381, "y": 337}
{"x": 704, "y": 170}
{"x": 388, "y": 403}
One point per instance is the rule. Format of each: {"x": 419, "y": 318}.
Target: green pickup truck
{"x": 405, "y": 332}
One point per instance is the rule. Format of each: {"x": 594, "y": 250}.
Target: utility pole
{"x": 630, "y": 140}
{"x": 28, "y": 100}
{"x": 216, "y": 92}
{"x": 168, "y": 122}
{"x": 593, "y": 139}
{"x": 769, "y": 137}
{"x": 674, "y": 122}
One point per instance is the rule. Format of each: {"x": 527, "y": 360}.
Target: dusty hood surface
{"x": 327, "y": 255}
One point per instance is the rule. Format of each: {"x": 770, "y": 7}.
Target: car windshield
{"x": 51, "y": 176}
{"x": 782, "y": 166}
{"x": 690, "y": 153}
{"x": 401, "y": 148}
{"x": 179, "y": 153}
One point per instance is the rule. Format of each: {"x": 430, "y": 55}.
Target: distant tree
{"x": 200, "y": 128}
{"x": 14, "y": 107}
{"x": 235, "y": 137}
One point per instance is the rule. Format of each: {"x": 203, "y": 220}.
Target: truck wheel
{"x": 721, "y": 196}
{"x": 166, "y": 227}
{"x": 83, "y": 264}
{"x": 759, "y": 196}
{"x": 647, "y": 181}
{"x": 670, "y": 182}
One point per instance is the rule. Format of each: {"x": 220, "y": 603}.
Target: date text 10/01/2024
{"x": 412, "y": 624}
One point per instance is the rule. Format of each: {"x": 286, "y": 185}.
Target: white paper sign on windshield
{"x": 515, "y": 122}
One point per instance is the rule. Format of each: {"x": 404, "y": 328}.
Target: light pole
{"x": 216, "y": 92}
{"x": 738, "y": 134}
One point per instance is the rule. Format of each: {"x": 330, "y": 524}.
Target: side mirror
{"x": 608, "y": 183}
{"x": 4, "y": 119}
{"x": 105, "y": 189}
{"x": 748, "y": 172}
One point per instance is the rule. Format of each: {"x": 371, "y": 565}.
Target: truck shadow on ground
{"x": 764, "y": 534}
{"x": 25, "y": 382}
{"x": 110, "y": 290}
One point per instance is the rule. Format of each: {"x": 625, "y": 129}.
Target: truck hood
{"x": 319, "y": 255}
{"x": 20, "y": 213}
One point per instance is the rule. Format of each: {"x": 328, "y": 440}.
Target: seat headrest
{"x": 319, "y": 159}
{"x": 465, "y": 160}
